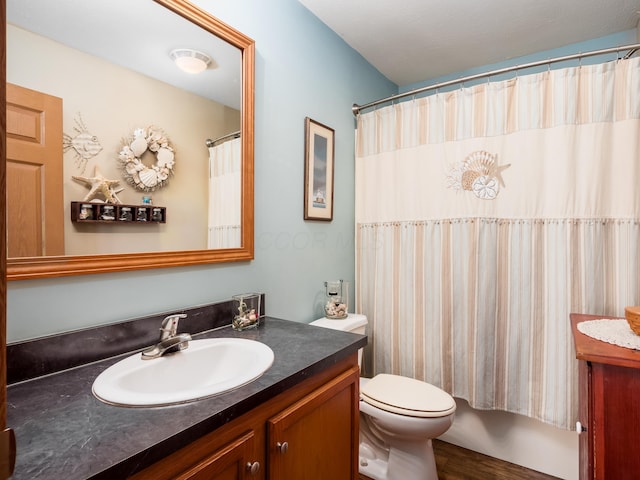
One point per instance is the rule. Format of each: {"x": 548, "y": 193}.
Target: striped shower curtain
{"x": 484, "y": 217}
{"x": 224, "y": 195}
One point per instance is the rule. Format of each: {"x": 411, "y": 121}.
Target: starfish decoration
{"x": 496, "y": 172}
{"x": 98, "y": 185}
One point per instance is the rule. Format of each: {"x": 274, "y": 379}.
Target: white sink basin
{"x": 208, "y": 367}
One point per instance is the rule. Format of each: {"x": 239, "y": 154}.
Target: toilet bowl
{"x": 399, "y": 416}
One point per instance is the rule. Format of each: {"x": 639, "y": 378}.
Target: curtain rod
{"x": 356, "y": 109}
{"x": 211, "y": 143}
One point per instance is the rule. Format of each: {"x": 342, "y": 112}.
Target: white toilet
{"x": 398, "y": 418}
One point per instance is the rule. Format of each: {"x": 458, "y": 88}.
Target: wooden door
{"x": 317, "y": 437}
{"x": 7, "y": 438}
{"x": 35, "y": 210}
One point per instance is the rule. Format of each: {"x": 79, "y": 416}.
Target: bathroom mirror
{"x": 234, "y": 98}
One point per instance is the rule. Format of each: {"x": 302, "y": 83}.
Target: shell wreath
{"x": 136, "y": 173}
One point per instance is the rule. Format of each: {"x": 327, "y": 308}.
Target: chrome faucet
{"x": 170, "y": 341}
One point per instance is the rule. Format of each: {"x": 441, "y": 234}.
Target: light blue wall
{"x": 302, "y": 69}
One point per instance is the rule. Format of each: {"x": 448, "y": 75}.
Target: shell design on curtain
{"x": 479, "y": 173}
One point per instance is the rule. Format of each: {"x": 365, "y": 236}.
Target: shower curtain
{"x": 484, "y": 217}
{"x": 224, "y": 195}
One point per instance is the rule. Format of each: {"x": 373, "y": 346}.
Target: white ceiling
{"x": 137, "y": 35}
{"x": 410, "y": 41}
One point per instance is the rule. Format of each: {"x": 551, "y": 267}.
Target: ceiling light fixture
{"x": 189, "y": 60}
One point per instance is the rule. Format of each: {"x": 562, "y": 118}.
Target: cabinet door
{"x": 317, "y": 437}
{"x": 229, "y": 463}
{"x": 616, "y": 396}
{"x": 585, "y": 437}
{"x": 199, "y": 461}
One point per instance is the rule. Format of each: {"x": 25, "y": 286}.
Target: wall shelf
{"x": 88, "y": 212}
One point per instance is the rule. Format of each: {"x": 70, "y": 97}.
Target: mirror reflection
{"x": 97, "y": 110}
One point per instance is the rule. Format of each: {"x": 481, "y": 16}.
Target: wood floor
{"x": 456, "y": 463}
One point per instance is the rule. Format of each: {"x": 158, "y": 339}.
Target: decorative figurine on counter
{"x": 248, "y": 307}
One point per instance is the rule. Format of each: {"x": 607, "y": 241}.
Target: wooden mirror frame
{"x": 57, "y": 266}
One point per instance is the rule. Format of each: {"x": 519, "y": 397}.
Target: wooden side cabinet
{"x": 608, "y": 409}
{"x": 309, "y": 432}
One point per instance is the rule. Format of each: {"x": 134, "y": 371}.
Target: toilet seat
{"x": 407, "y": 396}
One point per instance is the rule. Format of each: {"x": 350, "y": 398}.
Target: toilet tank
{"x": 354, "y": 323}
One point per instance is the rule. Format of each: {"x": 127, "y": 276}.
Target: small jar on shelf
{"x": 141, "y": 214}
{"x": 156, "y": 214}
{"x": 125, "y": 214}
{"x": 108, "y": 213}
{"x": 86, "y": 212}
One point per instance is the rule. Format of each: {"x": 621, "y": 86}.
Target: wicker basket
{"x": 632, "y": 314}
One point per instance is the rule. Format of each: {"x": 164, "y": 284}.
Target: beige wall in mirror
{"x": 107, "y": 95}
{"x": 111, "y": 102}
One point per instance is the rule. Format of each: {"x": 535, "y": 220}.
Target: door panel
{"x": 35, "y": 209}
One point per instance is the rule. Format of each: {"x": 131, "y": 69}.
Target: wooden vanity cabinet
{"x": 308, "y": 432}
{"x": 608, "y": 407}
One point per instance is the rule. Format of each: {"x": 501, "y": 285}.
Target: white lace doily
{"x": 616, "y": 332}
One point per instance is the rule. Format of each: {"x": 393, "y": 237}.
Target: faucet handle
{"x": 169, "y": 326}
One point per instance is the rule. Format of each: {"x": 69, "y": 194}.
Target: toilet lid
{"x": 407, "y": 396}
{"x": 348, "y": 324}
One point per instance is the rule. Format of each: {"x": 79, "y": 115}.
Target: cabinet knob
{"x": 282, "y": 447}
{"x": 580, "y": 428}
{"x": 253, "y": 468}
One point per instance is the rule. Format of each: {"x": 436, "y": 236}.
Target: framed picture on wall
{"x": 319, "y": 147}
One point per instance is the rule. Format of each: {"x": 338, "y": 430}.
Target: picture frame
{"x": 319, "y": 151}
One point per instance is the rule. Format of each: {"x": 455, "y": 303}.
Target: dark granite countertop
{"x": 64, "y": 432}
